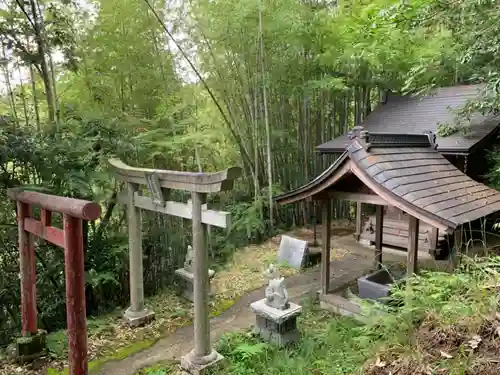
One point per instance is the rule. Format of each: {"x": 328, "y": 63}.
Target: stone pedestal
{"x": 187, "y": 282}
{"x": 195, "y": 365}
{"x": 279, "y": 327}
{"x": 31, "y": 347}
{"x": 138, "y": 318}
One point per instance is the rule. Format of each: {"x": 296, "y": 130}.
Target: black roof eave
{"x": 324, "y": 175}
{"x": 445, "y": 151}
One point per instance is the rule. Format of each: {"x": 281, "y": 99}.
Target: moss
{"x": 120, "y": 354}
{"x": 52, "y": 371}
{"x": 222, "y": 305}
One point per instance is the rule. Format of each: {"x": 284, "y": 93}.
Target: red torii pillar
{"x": 70, "y": 238}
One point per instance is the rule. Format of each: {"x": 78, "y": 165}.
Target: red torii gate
{"x": 70, "y": 238}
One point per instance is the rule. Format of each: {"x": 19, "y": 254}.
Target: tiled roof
{"x": 418, "y": 114}
{"x": 408, "y": 172}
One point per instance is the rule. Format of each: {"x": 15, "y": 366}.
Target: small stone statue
{"x": 276, "y": 294}
{"x": 188, "y": 263}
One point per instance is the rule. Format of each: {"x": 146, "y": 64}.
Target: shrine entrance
{"x": 160, "y": 183}
{"x": 70, "y": 238}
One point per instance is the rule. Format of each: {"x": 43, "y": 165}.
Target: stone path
{"x": 238, "y": 317}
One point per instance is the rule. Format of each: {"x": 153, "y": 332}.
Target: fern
{"x": 245, "y": 352}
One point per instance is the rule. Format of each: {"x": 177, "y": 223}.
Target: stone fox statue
{"x": 188, "y": 263}
{"x": 276, "y": 294}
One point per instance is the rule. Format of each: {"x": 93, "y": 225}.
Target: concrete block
{"x": 194, "y": 365}
{"x": 278, "y": 327}
{"x": 138, "y": 318}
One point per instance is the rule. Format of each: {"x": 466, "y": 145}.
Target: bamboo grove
{"x": 202, "y": 85}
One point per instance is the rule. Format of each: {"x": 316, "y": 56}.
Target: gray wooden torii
{"x": 159, "y": 183}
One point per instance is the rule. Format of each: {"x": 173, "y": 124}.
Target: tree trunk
{"x": 266, "y": 119}
{"x": 35, "y": 98}
{"x": 44, "y": 68}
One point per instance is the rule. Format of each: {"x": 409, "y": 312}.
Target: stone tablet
{"x": 292, "y": 251}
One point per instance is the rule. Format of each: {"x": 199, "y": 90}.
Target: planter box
{"x": 377, "y": 285}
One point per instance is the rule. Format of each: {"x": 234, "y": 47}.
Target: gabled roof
{"x": 418, "y": 114}
{"x": 407, "y": 172}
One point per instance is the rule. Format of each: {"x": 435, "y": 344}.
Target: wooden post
{"x": 27, "y": 263}
{"x": 325, "y": 239}
{"x": 358, "y": 220}
{"x": 379, "y": 231}
{"x": 75, "y": 295}
{"x": 315, "y": 226}
{"x": 457, "y": 248}
{"x": 412, "y": 256}
{"x": 135, "y": 254}
{"x": 71, "y": 239}
{"x": 433, "y": 238}
{"x": 201, "y": 288}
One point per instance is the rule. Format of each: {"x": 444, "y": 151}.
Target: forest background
{"x": 252, "y": 83}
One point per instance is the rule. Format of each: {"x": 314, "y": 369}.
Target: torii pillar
{"x": 159, "y": 183}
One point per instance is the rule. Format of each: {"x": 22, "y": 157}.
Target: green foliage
{"x": 156, "y": 370}
{"x": 247, "y": 352}
{"x": 334, "y": 345}
{"x": 57, "y": 344}
{"x": 494, "y": 175}
{"x": 328, "y": 345}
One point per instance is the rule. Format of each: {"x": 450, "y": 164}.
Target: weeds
{"x": 442, "y": 324}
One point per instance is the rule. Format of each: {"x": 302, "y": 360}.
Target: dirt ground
{"x": 440, "y": 348}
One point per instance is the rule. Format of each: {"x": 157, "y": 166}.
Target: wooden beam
{"x": 433, "y": 238}
{"x": 219, "y": 219}
{"x": 49, "y": 233}
{"x": 379, "y": 230}
{"x": 358, "y": 220}
{"x": 411, "y": 262}
{"x": 188, "y": 181}
{"x": 354, "y": 197}
{"x": 315, "y": 187}
{"x": 457, "y": 248}
{"x": 326, "y": 223}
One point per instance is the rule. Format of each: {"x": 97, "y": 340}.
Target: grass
{"x": 325, "y": 338}
{"x": 329, "y": 345}
{"x": 444, "y": 324}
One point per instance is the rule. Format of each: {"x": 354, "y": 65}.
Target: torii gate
{"x": 159, "y": 183}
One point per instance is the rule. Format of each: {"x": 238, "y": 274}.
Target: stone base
{"x": 29, "y": 348}
{"x": 138, "y": 318}
{"x": 187, "y": 279}
{"x": 194, "y": 365}
{"x": 278, "y": 327}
